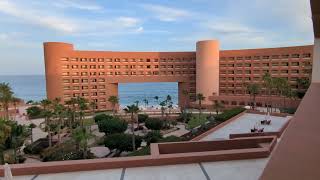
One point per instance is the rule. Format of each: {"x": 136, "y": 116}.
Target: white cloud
{"x": 77, "y": 5}
{"x": 32, "y": 16}
{"x": 164, "y": 13}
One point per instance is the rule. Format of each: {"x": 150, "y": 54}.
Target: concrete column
{"x": 207, "y": 69}
{"x": 53, "y": 52}
{"x": 316, "y": 62}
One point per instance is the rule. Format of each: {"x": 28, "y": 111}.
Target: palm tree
{"x": 45, "y": 103}
{"x": 93, "y": 106}
{"x": 133, "y": 110}
{"x": 157, "y": 99}
{"x": 72, "y": 110}
{"x": 200, "y": 98}
{"x": 217, "y": 106}
{"x": 81, "y": 136}
{"x": 185, "y": 93}
{"x": 5, "y": 132}
{"x": 253, "y": 90}
{"x": 6, "y": 96}
{"x": 146, "y": 102}
{"x": 114, "y": 100}
{"x": 59, "y": 111}
{"x": 268, "y": 84}
{"x": 163, "y": 108}
{"x": 137, "y": 103}
{"x": 82, "y": 104}
{"x": 31, "y": 127}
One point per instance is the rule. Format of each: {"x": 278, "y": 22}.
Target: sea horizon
{"x": 33, "y": 87}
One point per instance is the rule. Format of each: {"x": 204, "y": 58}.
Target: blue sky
{"x": 145, "y": 25}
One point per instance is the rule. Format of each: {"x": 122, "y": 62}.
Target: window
{"x": 64, "y": 59}
{"x": 295, "y": 55}
{"x": 84, "y": 73}
{"x": 100, "y": 60}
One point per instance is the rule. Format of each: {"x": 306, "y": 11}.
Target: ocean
{"x": 33, "y": 87}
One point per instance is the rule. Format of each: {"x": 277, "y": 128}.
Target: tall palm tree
{"x": 253, "y": 90}
{"x": 31, "y": 127}
{"x": 137, "y": 103}
{"x": 114, "y": 100}
{"x": 59, "y": 112}
{"x": 47, "y": 113}
{"x": 72, "y": 110}
{"x": 5, "y": 132}
{"x": 146, "y": 102}
{"x": 157, "y": 99}
{"x": 217, "y": 106}
{"x": 268, "y": 84}
{"x": 185, "y": 93}
{"x": 81, "y": 136}
{"x": 6, "y": 96}
{"x": 93, "y": 106}
{"x": 133, "y": 110}
{"x": 200, "y": 98}
{"x": 163, "y": 108}
{"x": 82, "y": 104}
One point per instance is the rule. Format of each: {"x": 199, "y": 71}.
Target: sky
{"x": 145, "y": 25}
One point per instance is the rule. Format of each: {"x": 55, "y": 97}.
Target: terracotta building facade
{"x": 218, "y": 74}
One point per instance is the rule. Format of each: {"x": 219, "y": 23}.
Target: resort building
{"x": 219, "y": 75}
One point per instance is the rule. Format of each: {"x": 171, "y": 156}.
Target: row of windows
{"x": 68, "y": 74}
{"x": 247, "y": 72}
{"x": 192, "y": 59}
{"x": 125, "y": 66}
{"x": 266, "y": 64}
{"x": 285, "y": 56}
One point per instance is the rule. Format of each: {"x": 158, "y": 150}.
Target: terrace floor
{"x": 240, "y": 170}
{"x": 244, "y": 123}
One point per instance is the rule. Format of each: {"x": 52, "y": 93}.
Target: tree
{"x": 185, "y": 93}
{"x": 6, "y": 96}
{"x": 154, "y": 124}
{"x": 111, "y": 124}
{"x": 200, "y": 98}
{"x": 47, "y": 113}
{"x": 59, "y": 112}
{"x": 253, "y": 90}
{"x": 114, "y": 100}
{"x": 122, "y": 142}
{"x": 146, "y": 102}
{"x": 153, "y": 137}
{"x": 81, "y": 136}
{"x": 82, "y": 104}
{"x": 34, "y": 112}
{"x": 163, "y": 108}
{"x": 93, "y": 106}
{"x": 157, "y": 99}
{"x": 16, "y": 139}
{"x": 133, "y": 110}
{"x": 5, "y": 132}
{"x": 217, "y": 106}
{"x": 268, "y": 84}
{"x": 31, "y": 127}
{"x": 71, "y": 111}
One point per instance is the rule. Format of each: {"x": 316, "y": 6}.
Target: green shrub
{"x": 288, "y": 110}
{"x": 112, "y": 125}
{"x": 184, "y": 117}
{"x": 63, "y": 151}
{"x": 197, "y": 121}
{"x": 153, "y": 137}
{"x": 227, "y": 114}
{"x": 154, "y": 123}
{"x": 100, "y": 117}
{"x": 141, "y": 152}
{"x": 36, "y": 147}
{"x": 142, "y": 118}
{"x": 172, "y": 139}
{"x": 34, "y": 112}
{"x": 122, "y": 142}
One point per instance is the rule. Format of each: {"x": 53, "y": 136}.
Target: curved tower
{"x": 54, "y": 52}
{"x": 207, "y": 68}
